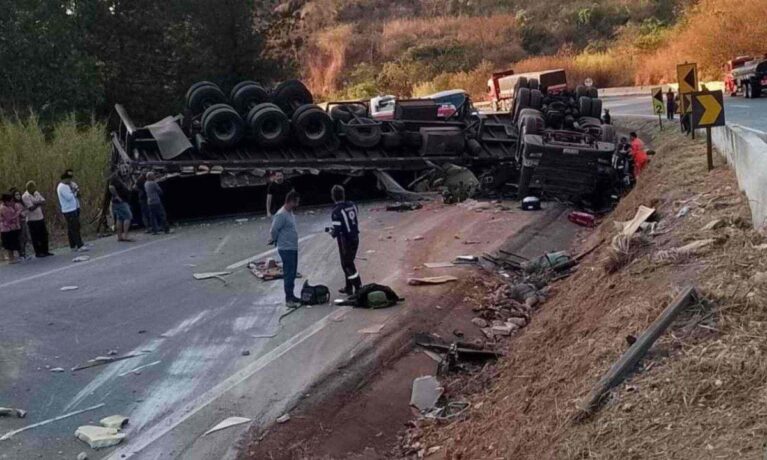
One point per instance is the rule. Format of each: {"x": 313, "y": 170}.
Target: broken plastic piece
{"x": 99, "y": 437}
{"x": 227, "y": 423}
{"x": 425, "y": 393}
{"x": 6, "y": 411}
{"x": 431, "y": 280}
{"x": 114, "y": 421}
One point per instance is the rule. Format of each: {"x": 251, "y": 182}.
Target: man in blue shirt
{"x": 346, "y": 232}
{"x": 285, "y": 236}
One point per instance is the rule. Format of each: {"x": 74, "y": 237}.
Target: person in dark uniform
{"x": 276, "y": 192}
{"x": 670, "y": 104}
{"x": 346, "y": 231}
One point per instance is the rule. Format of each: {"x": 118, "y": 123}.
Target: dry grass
{"x": 700, "y": 392}
{"x": 326, "y": 58}
{"x": 606, "y": 69}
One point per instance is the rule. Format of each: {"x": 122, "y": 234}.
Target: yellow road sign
{"x": 707, "y": 109}
{"x": 657, "y": 100}
{"x": 687, "y": 77}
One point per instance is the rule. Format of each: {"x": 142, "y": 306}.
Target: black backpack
{"x": 314, "y": 295}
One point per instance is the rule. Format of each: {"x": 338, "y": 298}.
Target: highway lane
{"x": 751, "y": 113}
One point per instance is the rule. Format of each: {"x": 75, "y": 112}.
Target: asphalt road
{"x": 751, "y": 113}
{"x": 141, "y": 298}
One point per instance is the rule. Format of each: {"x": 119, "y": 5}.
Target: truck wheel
{"x": 247, "y": 96}
{"x": 290, "y": 95}
{"x": 533, "y": 84}
{"x": 521, "y": 101}
{"x": 268, "y": 124}
{"x": 313, "y": 127}
{"x": 521, "y": 83}
{"x": 584, "y": 106}
{"x": 529, "y": 111}
{"x": 346, "y": 112}
{"x": 756, "y": 91}
{"x": 592, "y": 92}
{"x": 747, "y": 90}
{"x": 536, "y": 99}
{"x": 222, "y": 126}
{"x": 523, "y": 185}
{"x": 532, "y": 124}
{"x": 363, "y": 132}
{"x": 198, "y": 85}
{"x": 580, "y": 91}
{"x": 204, "y": 96}
{"x": 596, "y": 108}
{"x": 474, "y": 147}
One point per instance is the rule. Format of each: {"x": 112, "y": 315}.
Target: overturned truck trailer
{"x": 242, "y": 143}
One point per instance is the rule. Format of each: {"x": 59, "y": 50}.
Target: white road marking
{"x": 222, "y": 244}
{"x": 180, "y": 415}
{"x": 738, "y": 106}
{"x": 83, "y": 264}
{"x": 245, "y": 262}
{"x": 10, "y": 434}
{"x": 139, "y": 368}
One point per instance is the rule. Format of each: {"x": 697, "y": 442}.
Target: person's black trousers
{"x": 347, "y": 248}
{"x": 159, "y": 219}
{"x": 39, "y": 235}
{"x": 670, "y": 114}
{"x": 73, "y": 229}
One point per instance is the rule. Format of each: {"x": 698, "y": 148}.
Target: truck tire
{"x": 756, "y": 91}
{"x": 363, "y": 132}
{"x": 592, "y": 92}
{"x": 203, "y": 97}
{"x": 533, "y": 84}
{"x": 523, "y": 184}
{"x": 529, "y": 111}
{"x": 474, "y": 147}
{"x": 521, "y": 101}
{"x": 580, "y": 91}
{"x": 313, "y": 127}
{"x": 346, "y": 112}
{"x": 268, "y": 124}
{"x": 521, "y": 83}
{"x": 290, "y": 95}
{"x": 608, "y": 134}
{"x": 391, "y": 140}
{"x": 248, "y": 95}
{"x": 747, "y": 90}
{"x": 532, "y": 124}
{"x": 222, "y": 125}
{"x": 589, "y": 121}
{"x": 584, "y": 106}
{"x": 198, "y": 85}
{"x": 596, "y": 108}
{"x": 536, "y": 99}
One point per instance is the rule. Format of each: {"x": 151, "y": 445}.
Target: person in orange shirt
{"x": 639, "y": 154}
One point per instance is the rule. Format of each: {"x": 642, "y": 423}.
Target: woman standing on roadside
{"x": 10, "y": 226}
{"x": 24, "y": 234}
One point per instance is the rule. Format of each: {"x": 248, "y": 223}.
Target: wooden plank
{"x": 631, "y": 357}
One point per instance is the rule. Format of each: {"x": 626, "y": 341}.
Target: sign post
{"x": 687, "y": 77}
{"x": 707, "y": 112}
{"x": 657, "y": 104}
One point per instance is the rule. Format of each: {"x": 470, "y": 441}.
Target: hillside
{"x": 359, "y": 48}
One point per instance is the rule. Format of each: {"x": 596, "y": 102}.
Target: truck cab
{"x": 730, "y": 83}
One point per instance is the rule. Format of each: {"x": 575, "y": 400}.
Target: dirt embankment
{"x": 700, "y": 391}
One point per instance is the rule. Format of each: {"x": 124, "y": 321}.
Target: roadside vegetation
{"x": 30, "y": 151}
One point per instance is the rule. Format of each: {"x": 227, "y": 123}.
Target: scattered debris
{"x": 99, "y": 437}
{"x": 683, "y": 212}
{"x": 404, "y": 206}
{"x": 227, "y": 423}
{"x": 241, "y": 221}
{"x": 101, "y": 360}
{"x": 372, "y": 329}
{"x": 550, "y": 261}
{"x": 68, "y": 288}
{"x": 466, "y": 260}
{"x": 283, "y": 418}
{"x": 81, "y": 259}
{"x": 82, "y": 456}
{"x": 245, "y": 353}
{"x": 10, "y": 434}
{"x": 670, "y": 255}
{"x": 714, "y": 224}
{"x": 417, "y": 238}
{"x": 458, "y": 333}
{"x": 114, "y": 421}
{"x": 425, "y": 393}
{"x": 8, "y": 411}
{"x": 472, "y": 242}
{"x": 57, "y": 369}
{"x": 267, "y": 270}
{"x": 435, "y": 356}
{"x": 634, "y": 354}
{"x": 431, "y": 280}
{"x": 582, "y": 218}
{"x": 643, "y": 213}
{"x": 217, "y": 275}
{"x": 463, "y": 350}
{"x": 479, "y": 322}
{"x": 139, "y": 369}
{"x": 438, "y": 264}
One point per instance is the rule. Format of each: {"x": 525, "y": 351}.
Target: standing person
{"x": 24, "y": 235}
{"x": 70, "y": 208}
{"x": 637, "y": 151}
{"x": 607, "y": 119}
{"x": 156, "y": 209}
{"x": 146, "y": 218}
{"x": 121, "y": 208}
{"x": 346, "y": 232}
{"x": 285, "y": 236}
{"x": 670, "y": 104}
{"x": 276, "y": 192}
{"x": 10, "y": 226}
{"x": 38, "y": 232}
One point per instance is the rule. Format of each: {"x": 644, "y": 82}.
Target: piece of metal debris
{"x": 99, "y": 437}
{"x": 227, "y": 423}
{"x": 114, "y": 421}
{"x": 81, "y": 259}
{"x": 10, "y": 434}
{"x": 425, "y": 393}
{"x": 57, "y": 369}
{"x": 438, "y": 264}
{"x": 431, "y": 280}
{"x": 375, "y": 329}
{"x": 283, "y": 418}
{"x": 8, "y": 411}
{"x": 101, "y": 360}
{"x": 68, "y": 288}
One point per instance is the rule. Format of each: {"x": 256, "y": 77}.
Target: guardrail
{"x": 745, "y": 149}
{"x": 645, "y": 90}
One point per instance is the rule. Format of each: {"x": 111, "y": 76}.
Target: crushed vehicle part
{"x": 99, "y": 437}
{"x": 6, "y": 411}
{"x": 10, "y": 434}
{"x": 425, "y": 393}
{"x": 431, "y": 280}
{"x": 114, "y": 421}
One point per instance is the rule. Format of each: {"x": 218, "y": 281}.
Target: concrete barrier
{"x": 645, "y": 90}
{"x": 746, "y": 151}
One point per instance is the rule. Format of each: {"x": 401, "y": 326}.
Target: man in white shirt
{"x": 70, "y": 208}
{"x": 34, "y": 202}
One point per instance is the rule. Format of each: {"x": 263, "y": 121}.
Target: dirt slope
{"x": 698, "y": 394}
